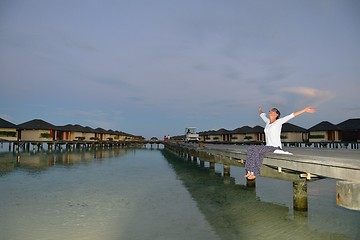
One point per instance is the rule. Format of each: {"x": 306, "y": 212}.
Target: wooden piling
{"x": 300, "y": 195}
{"x": 251, "y": 183}
{"x": 212, "y": 166}
{"x": 202, "y": 163}
{"x": 348, "y": 194}
{"x": 226, "y": 170}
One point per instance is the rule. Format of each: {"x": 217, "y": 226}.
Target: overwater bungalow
{"x": 203, "y": 136}
{"x": 324, "y": 132}
{"x": 222, "y": 135}
{"x": 112, "y": 135}
{"x": 209, "y": 136}
{"x": 259, "y": 133}
{"x": 101, "y": 134}
{"x": 130, "y": 137}
{"x": 246, "y": 134}
{"x": 121, "y": 135}
{"x": 293, "y": 133}
{"x": 37, "y": 131}
{"x": 242, "y": 134}
{"x": 75, "y": 132}
{"x": 90, "y": 134}
{"x": 350, "y": 130}
{"x": 8, "y": 131}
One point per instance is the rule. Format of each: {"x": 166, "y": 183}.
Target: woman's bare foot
{"x": 247, "y": 174}
{"x": 251, "y": 176}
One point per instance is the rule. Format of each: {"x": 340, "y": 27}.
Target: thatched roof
{"x": 100, "y": 130}
{"x": 258, "y": 129}
{"x": 324, "y": 126}
{"x": 72, "y": 128}
{"x": 350, "y": 124}
{"x": 89, "y": 129}
{"x": 122, "y": 133}
{"x": 288, "y": 127}
{"x": 222, "y": 131}
{"x": 244, "y": 129}
{"x": 6, "y": 124}
{"x": 37, "y": 124}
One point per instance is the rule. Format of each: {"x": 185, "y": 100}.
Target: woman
{"x": 255, "y": 153}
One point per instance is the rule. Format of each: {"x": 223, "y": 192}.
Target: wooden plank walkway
{"x": 339, "y": 164}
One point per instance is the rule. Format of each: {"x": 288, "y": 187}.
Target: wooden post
{"x": 300, "y": 195}
{"x": 348, "y": 194}
{"x": 251, "y": 183}
{"x": 212, "y": 166}
{"x": 202, "y": 163}
{"x": 227, "y": 180}
{"x": 226, "y": 170}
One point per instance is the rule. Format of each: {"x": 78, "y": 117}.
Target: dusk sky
{"x": 152, "y": 68}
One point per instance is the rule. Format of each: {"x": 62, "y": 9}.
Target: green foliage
{"x": 45, "y": 135}
{"x": 7, "y": 134}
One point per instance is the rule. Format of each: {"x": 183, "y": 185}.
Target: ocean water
{"x": 149, "y": 193}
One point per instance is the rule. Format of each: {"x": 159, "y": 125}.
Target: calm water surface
{"x": 153, "y": 194}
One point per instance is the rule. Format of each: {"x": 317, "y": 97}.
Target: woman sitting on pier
{"x": 255, "y": 153}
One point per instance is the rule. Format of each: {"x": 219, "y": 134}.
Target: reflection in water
{"x": 152, "y": 194}
{"x": 128, "y": 196}
{"x": 37, "y": 161}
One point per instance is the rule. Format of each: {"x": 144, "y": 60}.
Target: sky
{"x": 153, "y": 68}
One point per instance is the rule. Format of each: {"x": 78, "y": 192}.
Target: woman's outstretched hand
{"x": 310, "y": 109}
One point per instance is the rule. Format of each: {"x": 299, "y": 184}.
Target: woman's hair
{"x": 277, "y": 112}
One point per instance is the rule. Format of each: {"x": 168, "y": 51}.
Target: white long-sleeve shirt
{"x": 273, "y": 130}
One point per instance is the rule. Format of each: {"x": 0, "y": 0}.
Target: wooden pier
{"x": 304, "y": 165}
{"x": 75, "y": 144}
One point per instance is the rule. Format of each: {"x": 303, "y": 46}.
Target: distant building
{"x": 37, "y": 130}
{"x": 123, "y": 136}
{"x": 221, "y": 135}
{"x": 7, "y": 131}
{"x": 245, "y": 134}
{"x": 101, "y": 134}
{"x": 350, "y": 130}
{"x": 293, "y": 133}
{"x": 259, "y": 133}
{"x": 324, "y": 131}
{"x": 75, "y": 132}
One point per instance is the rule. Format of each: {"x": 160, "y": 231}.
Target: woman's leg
{"x": 250, "y": 163}
{"x": 255, "y": 157}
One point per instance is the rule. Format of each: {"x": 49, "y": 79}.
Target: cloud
{"x": 313, "y": 96}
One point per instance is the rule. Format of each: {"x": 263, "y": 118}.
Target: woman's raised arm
{"x": 308, "y": 109}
